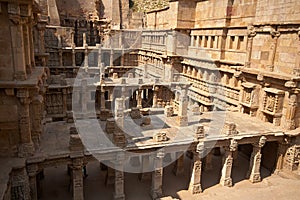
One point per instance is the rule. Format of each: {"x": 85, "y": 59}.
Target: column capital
{"x": 274, "y": 33}
{"x": 32, "y": 170}
{"x": 233, "y": 145}
{"x": 251, "y": 31}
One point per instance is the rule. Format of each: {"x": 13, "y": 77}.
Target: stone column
{"x": 192, "y": 40}
{"x": 195, "y": 182}
{"x": 155, "y": 92}
{"x": 227, "y": 167}
{"x": 139, "y": 100}
{"x": 16, "y": 30}
{"x": 73, "y": 57}
{"x": 32, "y": 171}
{"x": 86, "y": 59}
{"x": 145, "y": 171}
{"x": 226, "y": 170}
{"x": 20, "y": 188}
{"x": 111, "y": 59}
{"x": 157, "y": 176}
{"x": 179, "y": 164}
{"x": 197, "y": 41}
{"x": 27, "y": 48}
{"x": 275, "y": 35}
{"x": 102, "y": 99}
{"x": 36, "y": 116}
{"x": 119, "y": 178}
{"x": 77, "y": 179}
{"x": 60, "y": 53}
{"x": 290, "y": 112}
{"x": 251, "y": 35}
{"x": 183, "y": 107}
{"x": 26, "y": 148}
{"x": 255, "y": 161}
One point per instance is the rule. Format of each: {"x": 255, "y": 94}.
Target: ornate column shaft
{"x": 77, "y": 179}
{"x": 26, "y": 146}
{"x": 27, "y": 47}
{"x": 102, "y": 99}
{"x": 119, "y": 178}
{"x": 32, "y": 171}
{"x": 226, "y": 179}
{"x": 183, "y": 107}
{"x": 155, "y": 92}
{"x": 16, "y": 30}
{"x": 255, "y": 161}
{"x": 251, "y": 35}
{"x": 73, "y": 57}
{"x": 275, "y": 35}
{"x": 157, "y": 176}
{"x": 195, "y": 182}
{"x": 111, "y": 59}
{"x": 291, "y": 112}
{"x": 139, "y": 100}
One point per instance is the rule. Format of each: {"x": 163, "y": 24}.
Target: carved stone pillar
{"x": 27, "y": 47}
{"x": 32, "y": 171}
{"x": 77, "y": 179}
{"x": 139, "y": 100}
{"x": 251, "y": 35}
{"x": 111, "y": 59}
{"x": 290, "y": 112}
{"x": 16, "y": 29}
{"x": 102, "y": 99}
{"x": 226, "y": 170}
{"x": 26, "y": 147}
{"x": 179, "y": 164}
{"x": 183, "y": 107}
{"x": 195, "y": 182}
{"x": 73, "y": 57}
{"x": 296, "y": 71}
{"x": 192, "y": 40}
{"x": 155, "y": 93}
{"x": 20, "y": 188}
{"x": 275, "y": 35}
{"x": 86, "y": 59}
{"x": 226, "y": 179}
{"x": 110, "y": 176}
{"x": 157, "y": 176}
{"x": 255, "y": 161}
{"x": 119, "y": 178}
{"x": 36, "y": 116}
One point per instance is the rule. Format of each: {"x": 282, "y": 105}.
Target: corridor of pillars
{"x": 222, "y": 166}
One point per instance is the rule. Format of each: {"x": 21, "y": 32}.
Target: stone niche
{"x": 272, "y": 105}
{"x": 160, "y": 137}
{"x": 249, "y": 98}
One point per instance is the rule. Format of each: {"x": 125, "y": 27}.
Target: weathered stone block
{"x": 160, "y": 137}
{"x": 135, "y": 113}
{"x": 169, "y": 111}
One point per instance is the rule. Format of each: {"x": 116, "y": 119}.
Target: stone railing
{"x": 168, "y": 41}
